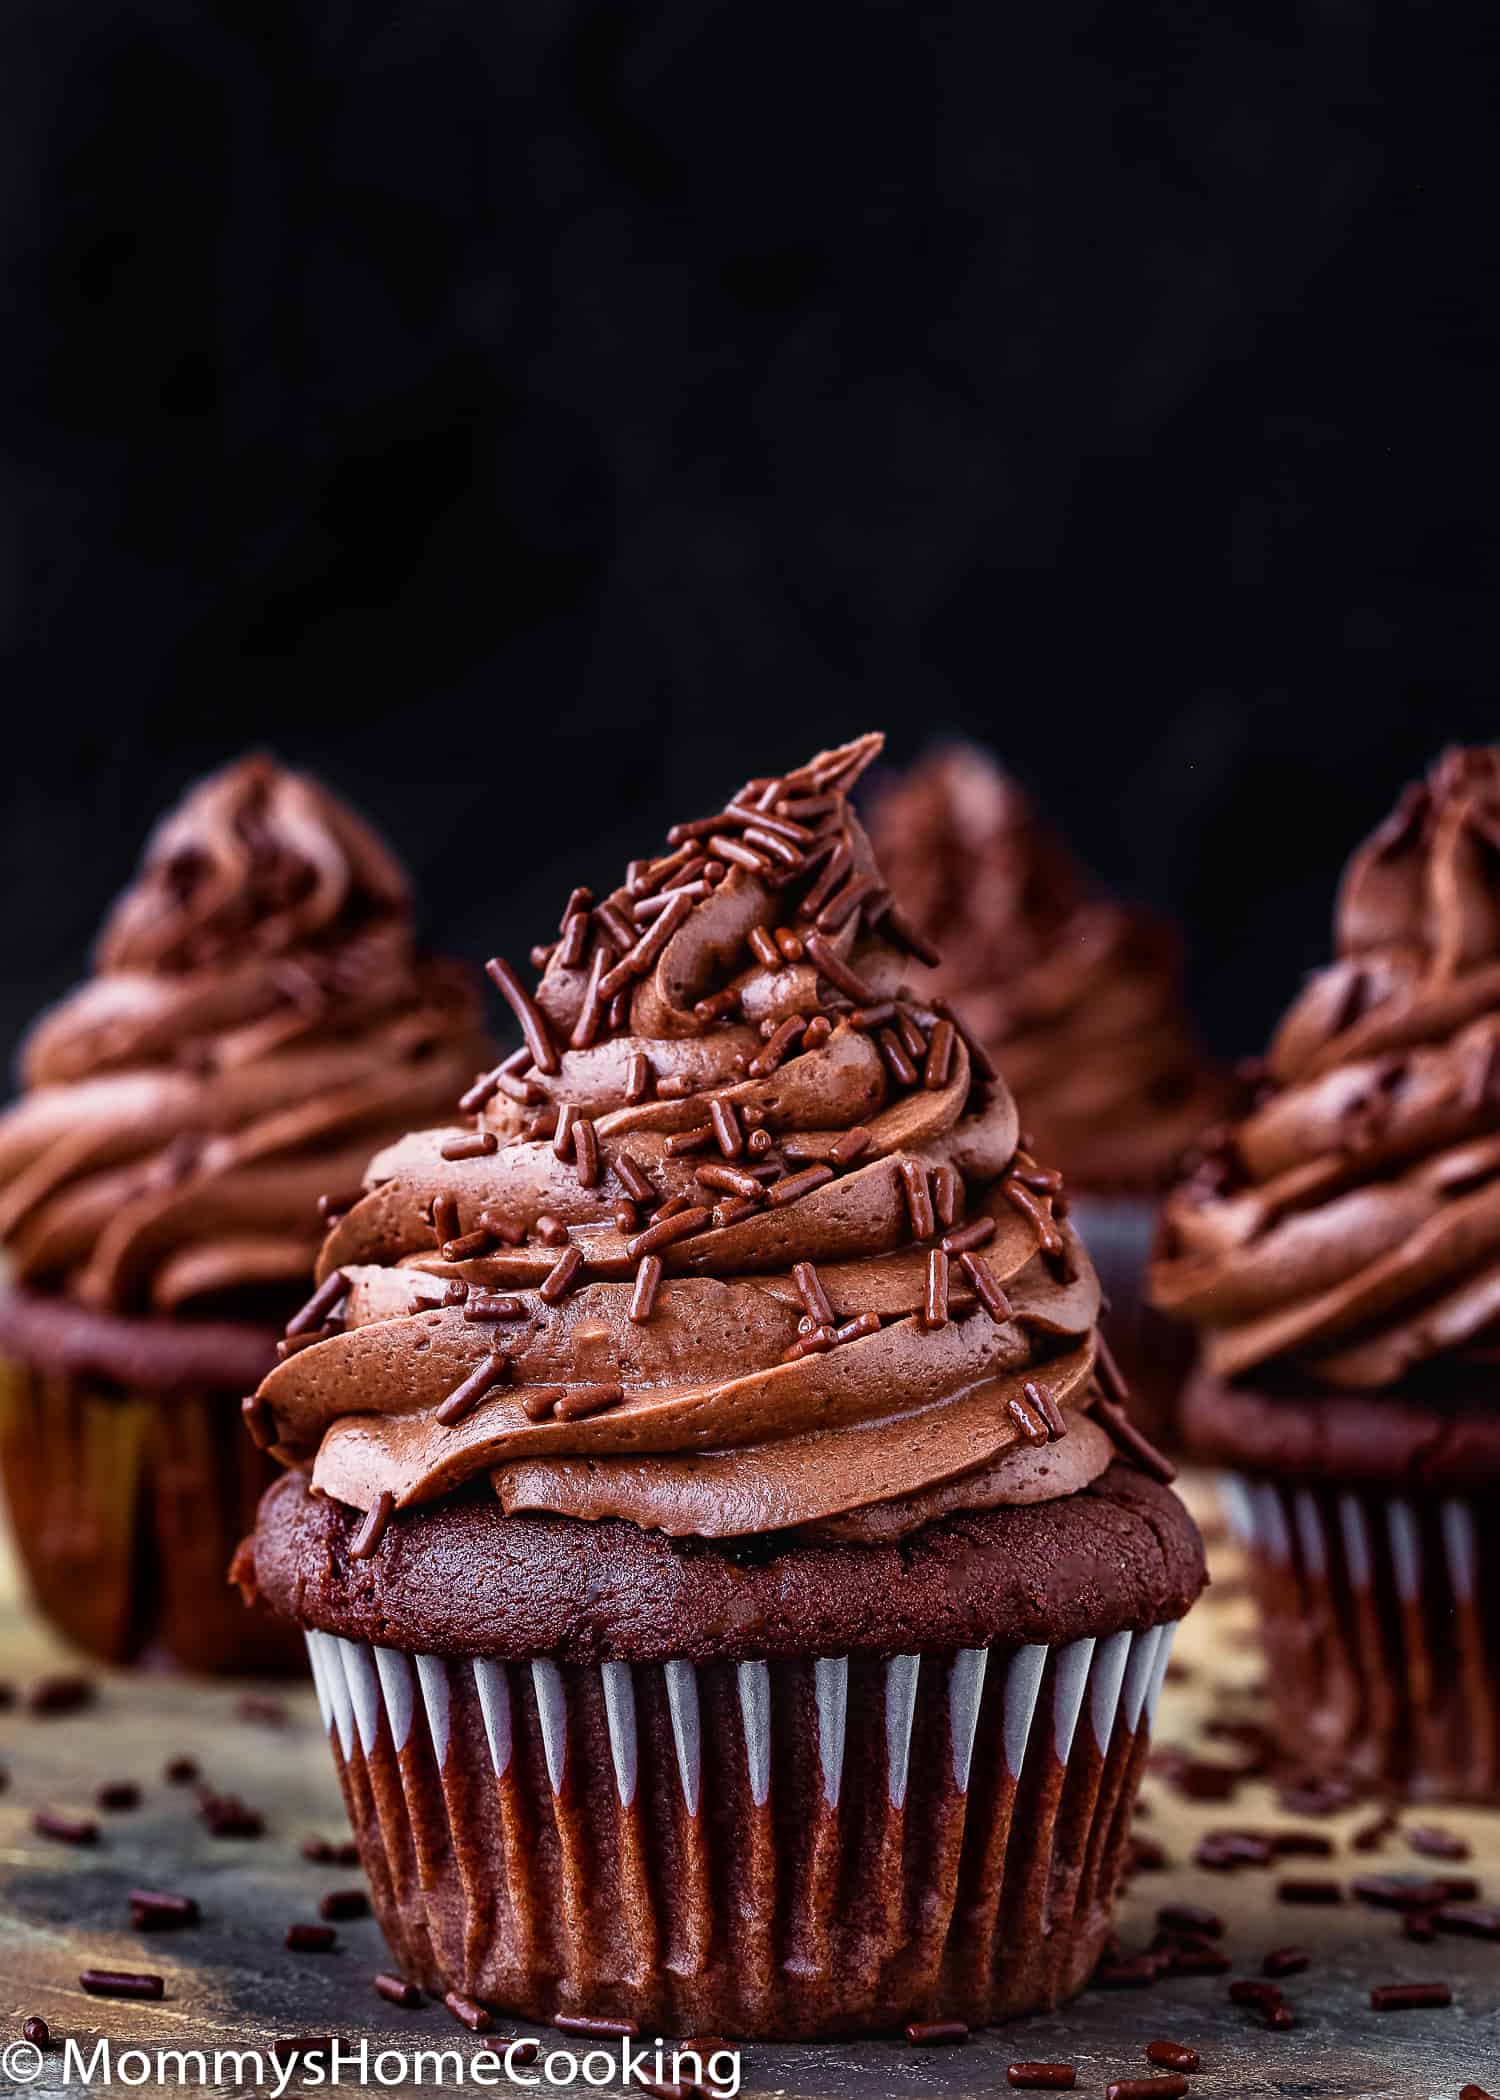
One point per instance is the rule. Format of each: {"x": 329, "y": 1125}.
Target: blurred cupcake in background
{"x": 1078, "y": 999}
{"x": 1339, "y": 1252}
{"x": 258, "y": 1023}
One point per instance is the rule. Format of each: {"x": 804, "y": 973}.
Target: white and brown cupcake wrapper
{"x": 1380, "y": 1616}
{"x": 784, "y": 1848}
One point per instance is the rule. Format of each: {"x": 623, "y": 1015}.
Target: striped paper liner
{"x": 125, "y": 1507}
{"x": 1380, "y": 1616}
{"x": 1154, "y": 1353}
{"x": 796, "y": 1848}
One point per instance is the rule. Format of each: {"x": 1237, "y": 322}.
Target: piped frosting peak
{"x": 743, "y": 1238}
{"x": 1349, "y": 1226}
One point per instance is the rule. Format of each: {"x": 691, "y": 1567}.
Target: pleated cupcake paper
{"x": 799, "y": 1848}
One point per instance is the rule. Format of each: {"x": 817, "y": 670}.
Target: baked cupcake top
{"x": 1348, "y": 1228}
{"x": 1077, "y": 998}
{"x": 742, "y": 1239}
{"x": 258, "y": 1021}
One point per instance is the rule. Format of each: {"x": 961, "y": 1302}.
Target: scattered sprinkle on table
{"x": 1410, "y": 1997}
{"x": 121, "y": 1983}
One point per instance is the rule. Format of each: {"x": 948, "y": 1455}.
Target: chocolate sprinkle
{"x": 1042, "y": 2078}
{"x": 636, "y": 1181}
{"x": 397, "y": 1991}
{"x": 527, "y": 1012}
{"x": 155, "y": 1910}
{"x": 477, "y": 1146}
{"x": 982, "y": 1279}
{"x": 538, "y": 1401}
{"x": 581, "y": 1400}
{"x": 922, "y": 2034}
{"x": 935, "y": 1301}
{"x": 830, "y": 964}
{"x": 918, "y": 1198}
{"x": 681, "y": 1225}
{"x": 311, "y": 1939}
{"x": 1286, "y": 1961}
{"x": 319, "y": 1305}
{"x": 1173, "y": 2056}
{"x": 647, "y": 1284}
{"x": 810, "y": 1290}
{"x": 726, "y": 1127}
{"x": 466, "y": 1397}
{"x": 596, "y": 2024}
{"x": 794, "y": 1186}
{"x": 897, "y": 1062}
{"x": 1410, "y": 1997}
{"x": 778, "y": 1047}
{"x": 560, "y": 1277}
{"x": 121, "y": 1983}
{"x": 479, "y": 1306}
{"x": 344, "y": 1903}
{"x": 366, "y": 1541}
{"x": 468, "y": 2012}
{"x": 586, "y": 1153}
{"x": 67, "y": 1830}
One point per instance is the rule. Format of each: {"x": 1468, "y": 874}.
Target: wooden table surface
{"x": 230, "y": 1983}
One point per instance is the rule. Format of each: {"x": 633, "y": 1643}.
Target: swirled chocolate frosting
{"x": 1077, "y": 998}
{"x": 258, "y": 1022}
{"x": 1349, "y": 1226}
{"x": 741, "y": 1240}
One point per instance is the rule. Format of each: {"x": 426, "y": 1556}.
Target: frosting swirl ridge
{"x": 1349, "y": 1225}
{"x": 259, "y": 1021}
{"x": 1077, "y": 998}
{"x": 742, "y": 1240}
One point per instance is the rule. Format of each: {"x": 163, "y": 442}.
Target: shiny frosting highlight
{"x": 723, "y": 1074}
{"x": 1349, "y": 1226}
{"x": 258, "y": 1022}
{"x": 1077, "y": 998}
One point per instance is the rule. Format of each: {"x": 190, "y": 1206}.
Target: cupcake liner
{"x": 1153, "y": 1352}
{"x": 792, "y": 1848}
{"x": 1380, "y": 1616}
{"x": 126, "y": 1505}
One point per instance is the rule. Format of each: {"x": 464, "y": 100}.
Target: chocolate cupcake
{"x": 736, "y": 1607}
{"x": 1339, "y": 1252}
{"x": 1078, "y": 999}
{"x": 258, "y": 1022}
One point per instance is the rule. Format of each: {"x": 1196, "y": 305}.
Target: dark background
{"x": 538, "y": 418}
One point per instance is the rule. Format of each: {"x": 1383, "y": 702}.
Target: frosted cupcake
{"x": 258, "y": 1022}
{"x": 1339, "y": 1252}
{"x": 737, "y": 1602}
{"x": 1079, "y": 1001}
